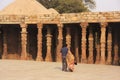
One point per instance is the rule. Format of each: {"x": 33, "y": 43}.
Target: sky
{"x": 101, "y": 5}
{"x": 107, "y": 5}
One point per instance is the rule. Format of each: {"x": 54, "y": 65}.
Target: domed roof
{"x": 25, "y": 7}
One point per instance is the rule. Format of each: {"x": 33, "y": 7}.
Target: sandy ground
{"x": 33, "y": 70}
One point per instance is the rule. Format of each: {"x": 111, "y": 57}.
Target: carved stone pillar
{"x": 103, "y": 41}
{"x": 83, "y": 57}
{"x": 115, "y": 61}
{"x": 23, "y": 41}
{"x": 4, "y": 56}
{"x": 0, "y": 42}
{"x": 90, "y": 38}
{"x": 109, "y": 47}
{"x": 60, "y": 41}
{"x": 76, "y": 46}
{"x": 97, "y": 46}
{"x": 49, "y": 38}
{"x": 98, "y": 54}
{"x": 39, "y": 38}
{"x": 68, "y": 38}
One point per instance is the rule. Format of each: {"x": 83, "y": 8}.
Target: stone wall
{"x": 91, "y": 17}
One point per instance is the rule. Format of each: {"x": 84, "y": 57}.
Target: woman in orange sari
{"x": 70, "y": 61}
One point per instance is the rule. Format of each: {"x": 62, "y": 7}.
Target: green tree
{"x": 69, "y": 6}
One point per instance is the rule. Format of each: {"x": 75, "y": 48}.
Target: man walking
{"x": 64, "y": 52}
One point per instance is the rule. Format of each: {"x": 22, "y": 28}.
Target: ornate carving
{"x": 39, "y": 37}
{"x": 84, "y": 24}
{"x": 90, "y": 58}
{"x": 109, "y": 46}
{"x": 60, "y": 27}
{"x": 23, "y": 41}
{"x": 103, "y": 38}
{"x": 97, "y": 46}
{"x": 60, "y": 39}
{"x": 83, "y": 58}
{"x": 49, "y": 38}
{"x": 104, "y": 24}
{"x": 68, "y": 38}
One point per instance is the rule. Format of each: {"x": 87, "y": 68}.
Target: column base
{"x": 4, "y": 57}
{"x": 48, "y": 60}
{"x": 23, "y": 58}
{"x": 97, "y": 62}
{"x": 90, "y": 60}
{"x": 84, "y": 61}
{"x": 109, "y": 62}
{"x": 48, "y": 57}
{"x": 59, "y": 59}
{"x": 115, "y": 62}
{"x": 39, "y": 59}
{"x": 102, "y": 62}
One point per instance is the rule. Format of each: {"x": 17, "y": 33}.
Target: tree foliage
{"x": 69, "y": 6}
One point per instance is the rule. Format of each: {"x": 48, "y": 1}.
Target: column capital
{"x": 103, "y": 24}
{"x": 39, "y": 25}
{"x": 84, "y": 24}
{"x": 60, "y": 25}
{"x": 23, "y": 25}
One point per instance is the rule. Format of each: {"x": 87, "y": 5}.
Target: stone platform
{"x": 33, "y": 70}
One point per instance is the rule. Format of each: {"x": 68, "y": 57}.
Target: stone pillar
{"x": 76, "y": 46}
{"x": 4, "y": 56}
{"x": 90, "y": 38}
{"x": 83, "y": 57}
{"x": 49, "y": 38}
{"x": 68, "y": 38}
{"x": 103, "y": 41}
{"x": 116, "y": 59}
{"x": 0, "y": 43}
{"x": 23, "y": 41}
{"x": 60, "y": 42}
{"x": 109, "y": 47}
{"x": 39, "y": 39}
{"x": 97, "y": 46}
{"x": 98, "y": 54}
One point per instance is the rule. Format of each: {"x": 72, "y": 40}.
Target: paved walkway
{"x": 33, "y": 70}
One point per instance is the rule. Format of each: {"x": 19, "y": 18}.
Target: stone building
{"x": 32, "y": 32}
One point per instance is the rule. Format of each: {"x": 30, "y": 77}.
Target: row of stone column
{"x": 24, "y": 54}
{"x": 100, "y": 47}
{"x": 100, "y": 57}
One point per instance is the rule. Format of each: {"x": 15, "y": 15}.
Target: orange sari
{"x": 70, "y": 61}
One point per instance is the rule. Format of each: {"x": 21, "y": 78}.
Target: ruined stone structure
{"x": 38, "y": 34}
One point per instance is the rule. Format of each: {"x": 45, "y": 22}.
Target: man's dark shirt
{"x": 64, "y": 51}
